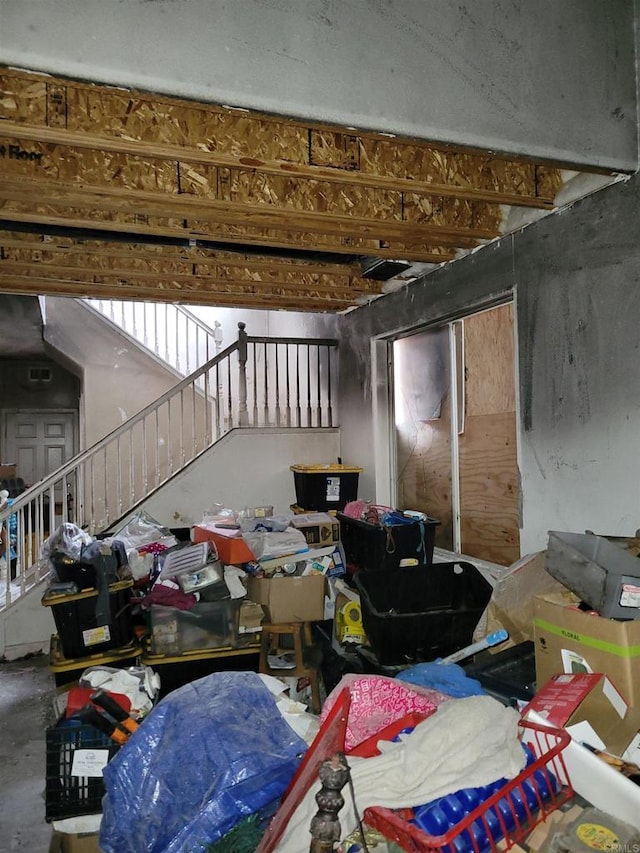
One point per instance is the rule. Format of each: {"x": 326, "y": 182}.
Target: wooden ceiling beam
{"x": 279, "y": 168}
{"x": 340, "y": 288}
{"x": 182, "y": 186}
{"x": 130, "y": 121}
{"x": 273, "y": 300}
{"x": 130, "y": 252}
{"x": 61, "y": 217}
{"x": 439, "y": 230}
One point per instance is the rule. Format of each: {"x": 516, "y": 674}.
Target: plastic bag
{"x": 142, "y": 529}
{"x": 139, "y": 683}
{"x": 67, "y": 539}
{"x": 208, "y": 755}
{"x": 266, "y": 545}
{"x": 65, "y": 544}
{"x": 377, "y": 701}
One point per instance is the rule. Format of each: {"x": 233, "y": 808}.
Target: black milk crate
{"x": 67, "y": 795}
{"x": 420, "y": 613}
{"x": 376, "y": 546}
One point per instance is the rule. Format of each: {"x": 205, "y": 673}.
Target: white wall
{"x": 274, "y": 324}
{"x": 540, "y": 77}
{"x": 119, "y": 378}
{"x": 245, "y": 468}
{"x": 27, "y": 627}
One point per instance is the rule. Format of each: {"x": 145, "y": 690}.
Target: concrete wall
{"x": 18, "y": 392}
{"x": 499, "y": 74}
{"x": 245, "y": 468}
{"x": 20, "y": 326}
{"x": 576, "y": 278}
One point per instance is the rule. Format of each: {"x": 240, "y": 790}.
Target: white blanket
{"x": 465, "y": 744}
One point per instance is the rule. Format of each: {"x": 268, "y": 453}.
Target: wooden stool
{"x": 295, "y": 638}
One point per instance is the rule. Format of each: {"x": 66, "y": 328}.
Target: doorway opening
{"x": 455, "y": 432}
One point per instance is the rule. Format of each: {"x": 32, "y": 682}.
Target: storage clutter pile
{"x": 534, "y": 742}
{"x": 154, "y": 595}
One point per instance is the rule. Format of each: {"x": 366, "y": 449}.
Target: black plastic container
{"x": 509, "y": 675}
{"x": 374, "y": 546}
{"x": 77, "y": 623}
{"x": 96, "y": 562}
{"x": 325, "y": 487}
{"x": 419, "y": 613}
{"x": 67, "y": 795}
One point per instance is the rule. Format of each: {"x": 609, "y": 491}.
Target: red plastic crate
{"x": 547, "y": 745}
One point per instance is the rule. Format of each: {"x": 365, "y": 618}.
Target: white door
{"x": 38, "y": 442}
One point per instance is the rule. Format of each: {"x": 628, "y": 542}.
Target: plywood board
{"x": 489, "y": 489}
{"x": 260, "y": 141}
{"x": 489, "y": 362}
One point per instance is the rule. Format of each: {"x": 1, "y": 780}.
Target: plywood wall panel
{"x": 489, "y": 362}
{"x": 489, "y": 494}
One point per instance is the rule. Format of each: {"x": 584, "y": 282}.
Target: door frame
{"x": 384, "y": 438}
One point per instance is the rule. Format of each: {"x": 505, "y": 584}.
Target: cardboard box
{"x": 251, "y": 617}
{"x": 232, "y": 551}
{"x": 8, "y": 471}
{"x": 290, "y": 599}
{"x": 74, "y": 842}
{"x": 511, "y": 604}
{"x": 570, "y": 640}
{"x": 588, "y": 699}
{"x": 319, "y": 528}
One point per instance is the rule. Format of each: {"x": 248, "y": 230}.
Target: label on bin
{"x": 333, "y": 489}
{"x": 94, "y": 636}
{"x": 630, "y": 596}
{"x": 89, "y": 762}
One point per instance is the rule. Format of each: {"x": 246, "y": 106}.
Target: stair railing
{"x": 172, "y": 333}
{"x": 254, "y": 382}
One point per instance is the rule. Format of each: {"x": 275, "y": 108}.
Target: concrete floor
{"x": 27, "y": 693}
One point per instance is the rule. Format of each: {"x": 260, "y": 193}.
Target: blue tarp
{"x": 209, "y": 754}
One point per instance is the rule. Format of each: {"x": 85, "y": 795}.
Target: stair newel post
{"x": 243, "y": 412}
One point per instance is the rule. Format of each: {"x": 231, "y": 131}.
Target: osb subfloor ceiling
{"x": 112, "y": 193}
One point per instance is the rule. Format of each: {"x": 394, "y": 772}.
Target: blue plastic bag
{"x": 448, "y": 678}
{"x": 209, "y": 754}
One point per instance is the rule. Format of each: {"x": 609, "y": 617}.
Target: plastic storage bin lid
{"x": 337, "y": 468}
{"x": 50, "y": 599}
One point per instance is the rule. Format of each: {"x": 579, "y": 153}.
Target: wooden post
{"x": 243, "y": 412}
{"x": 325, "y": 826}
